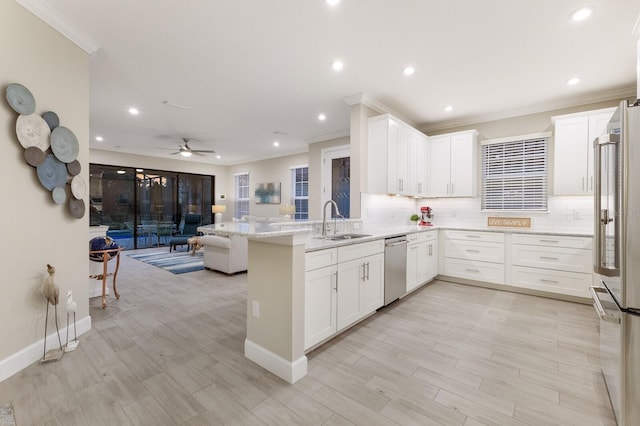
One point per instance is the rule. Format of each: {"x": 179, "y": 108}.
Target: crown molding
{"x": 48, "y": 14}
{"x": 376, "y": 105}
{"x": 592, "y": 98}
{"x": 328, "y": 136}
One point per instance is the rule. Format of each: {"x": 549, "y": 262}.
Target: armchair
{"x": 190, "y": 229}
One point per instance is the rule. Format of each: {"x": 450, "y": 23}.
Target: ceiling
{"x": 238, "y": 75}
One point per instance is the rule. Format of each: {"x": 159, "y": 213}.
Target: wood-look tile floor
{"x": 169, "y": 352}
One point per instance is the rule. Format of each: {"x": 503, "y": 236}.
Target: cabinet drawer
{"x": 355, "y": 251}
{"x": 429, "y": 236}
{"x": 496, "y": 237}
{"x": 320, "y": 259}
{"x": 556, "y": 258}
{"x": 553, "y": 241}
{"x": 479, "y": 271}
{"x": 570, "y": 283}
{"x": 413, "y": 238}
{"x": 475, "y": 250}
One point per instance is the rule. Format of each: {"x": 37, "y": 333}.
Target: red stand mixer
{"x": 425, "y": 216}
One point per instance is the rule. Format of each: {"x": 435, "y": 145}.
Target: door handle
{"x": 602, "y": 314}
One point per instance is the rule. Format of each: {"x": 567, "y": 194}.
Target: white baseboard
{"x": 287, "y": 370}
{"x": 34, "y": 352}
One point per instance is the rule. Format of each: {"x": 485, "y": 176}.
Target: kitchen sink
{"x": 340, "y": 237}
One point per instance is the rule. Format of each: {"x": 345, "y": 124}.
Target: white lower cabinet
{"x": 557, "y": 264}
{"x": 422, "y": 259}
{"x": 320, "y": 304}
{"x": 474, "y": 255}
{"x": 344, "y": 292}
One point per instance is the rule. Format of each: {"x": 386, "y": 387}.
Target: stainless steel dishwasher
{"x": 395, "y": 268}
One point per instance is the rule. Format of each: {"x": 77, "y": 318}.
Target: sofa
{"x": 225, "y": 254}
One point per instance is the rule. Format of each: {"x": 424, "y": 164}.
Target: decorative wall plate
{"x": 52, "y": 119}
{"x": 78, "y": 187}
{"x": 74, "y": 168}
{"x": 20, "y": 99}
{"x": 32, "y": 130}
{"x": 34, "y": 156}
{"x": 76, "y": 208}
{"x": 52, "y": 173}
{"x": 59, "y": 195}
{"x": 64, "y": 144}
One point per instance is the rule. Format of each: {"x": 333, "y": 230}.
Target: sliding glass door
{"x": 144, "y": 208}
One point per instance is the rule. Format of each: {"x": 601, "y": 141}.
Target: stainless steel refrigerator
{"x": 616, "y": 290}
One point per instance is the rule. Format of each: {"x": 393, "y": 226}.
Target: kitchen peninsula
{"x": 276, "y": 287}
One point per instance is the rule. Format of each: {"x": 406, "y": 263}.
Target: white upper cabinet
{"x": 397, "y": 158}
{"x": 573, "y": 150}
{"x": 453, "y": 164}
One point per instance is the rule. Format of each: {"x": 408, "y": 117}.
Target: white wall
{"x": 315, "y": 173}
{"x": 35, "y": 230}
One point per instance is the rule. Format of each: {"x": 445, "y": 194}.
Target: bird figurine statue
{"x": 50, "y": 289}
{"x": 51, "y": 292}
{"x": 72, "y": 306}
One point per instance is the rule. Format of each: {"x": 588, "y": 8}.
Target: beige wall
{"x": 35, "y": 230}
{"x": 271, "y": 170}
{"x": 532, "y": 123}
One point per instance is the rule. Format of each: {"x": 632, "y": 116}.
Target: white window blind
{"x": 514, "y": 175}
{"x": 242, "y": 195}
{"x": 300, "y": 191}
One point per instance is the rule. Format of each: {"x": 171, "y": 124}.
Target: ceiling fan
{"x": 186, "y": 151}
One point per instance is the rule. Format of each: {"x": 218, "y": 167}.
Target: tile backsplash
{"x": 565, "y": 213}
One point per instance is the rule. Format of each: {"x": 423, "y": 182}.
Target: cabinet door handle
{"x": 583, "y": 183}
{"x": 447, "y": 189}
{"x": 334, "y": 277}
{"x": 367, "y": 271}
{"x": 473, "y": 251}
{"x": 362, "y": 277}
{"x": 549, "y": 241}
{"x": 472, "y": 236}
{"x": 452, "y": 191}
{"x": 472, "y": 270}
{"x": 591, "y": 184}
{"x": 430, "y": 249}
{"x": 548, "y": 281}
{"x": 549, "y": 258}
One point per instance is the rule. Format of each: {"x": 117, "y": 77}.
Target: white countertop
{"x": 259, "y": 230}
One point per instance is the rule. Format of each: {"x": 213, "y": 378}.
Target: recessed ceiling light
{"x": 408, "y": 70}
{"x": 276, "y": 143}
{"x": 185, "y": 153}
{"x": 337, "y": 65}
{"x": 218, "y": 157}
{"x": 99, "y": 138}
{"x": 322, "y": 117}
{"x": 573, "y": 81}
{"x": 448, "y": 108}
{"x": 121, "y": 172}
{"x": 133, "y": 111}
{"x": 581, "y": 14}
{"x": 332, "y": 2}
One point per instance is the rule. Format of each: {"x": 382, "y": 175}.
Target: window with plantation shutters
{"x": 514, "y": 174}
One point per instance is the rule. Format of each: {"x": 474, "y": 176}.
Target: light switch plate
{"x": 255, "y": 308}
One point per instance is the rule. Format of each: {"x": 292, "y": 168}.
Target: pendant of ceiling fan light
{"x": 172, "y": 104}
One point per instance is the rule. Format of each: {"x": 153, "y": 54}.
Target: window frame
{"x": 300, "y": 213}
{"x": 241, "y": 204}
{"x": 523, "y": 167}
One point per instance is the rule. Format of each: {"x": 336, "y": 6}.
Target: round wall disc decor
{"x": 32, "y": 130}
{"x": 34, "y": 156}
{"x": 74, "y": 168}
{"x": 21, "y": 99}
{"x": 64, "y": 144}
{"x": 52, "y": 173}
{"x": 76, "y": 208}
{"x": 59, "y": 195}
{"x": 78, "y": 187}
{"x": 52, "y": 119}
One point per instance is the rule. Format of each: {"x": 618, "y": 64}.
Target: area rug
{"x": 6, "y": 415}
{"x": 176, "y": 262}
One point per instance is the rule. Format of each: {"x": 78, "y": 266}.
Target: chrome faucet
{"x": 324, "y": 216}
